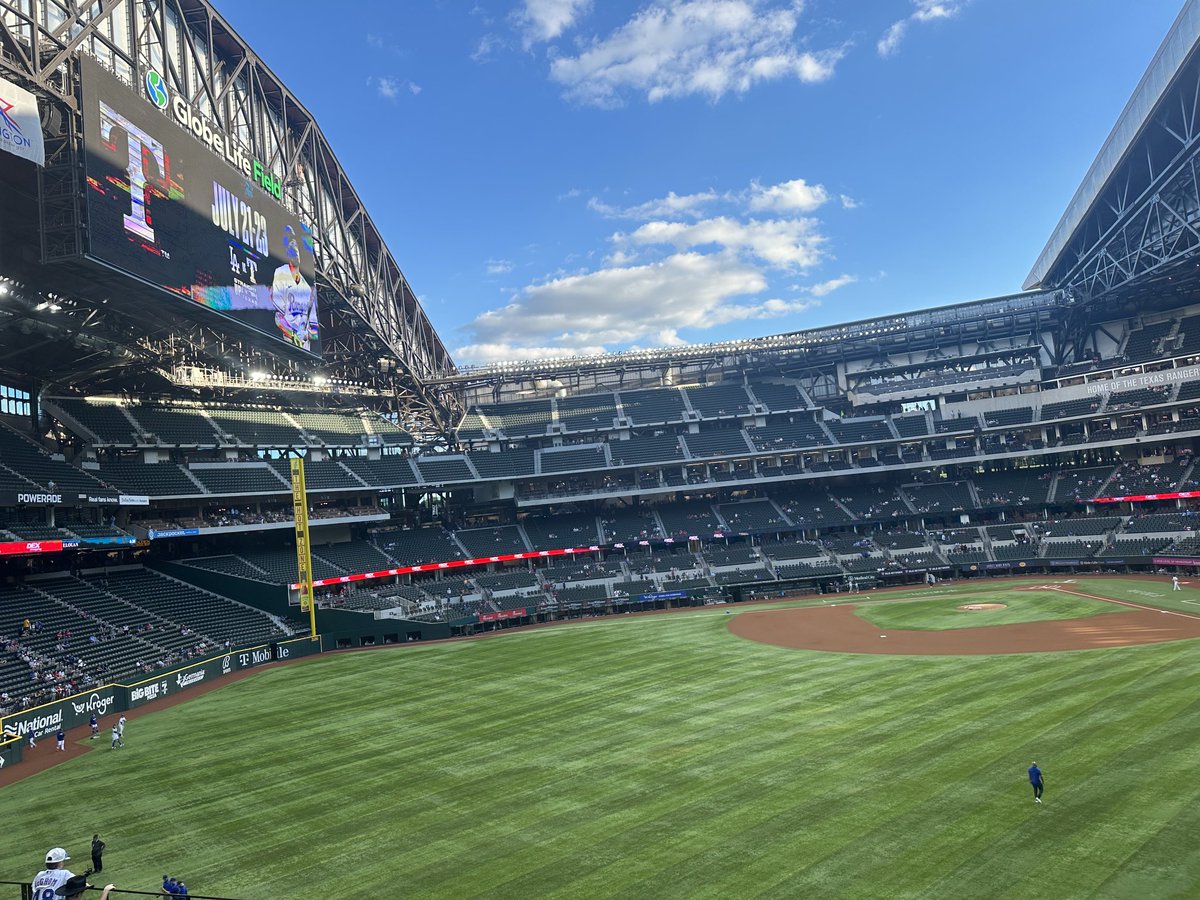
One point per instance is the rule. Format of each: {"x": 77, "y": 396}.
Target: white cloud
{"x": 925, "y": 11}
{"x": 619, "y": 306}
{"x": 544, "y": 20}
{"x": 849, "y": 202}
{"x": 671, "y": 205}
{"x": 387, "y": 88}
{"x": 828, "y": 287}
{"x": 498, "y": 266}
{"x": 677, "y": 48}
{"x": 488, "y": 45}
{"x": 414, "y": 88}
{"x": 780, "y": 243}
{"x": 787, "y": 196}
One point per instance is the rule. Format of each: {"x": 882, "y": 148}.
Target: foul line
{"x": 1169, "y": 612}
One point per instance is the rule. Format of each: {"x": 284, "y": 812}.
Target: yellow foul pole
{"x": 303, "y": 552}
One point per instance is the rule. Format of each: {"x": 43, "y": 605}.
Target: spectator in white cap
{"x": 47, "y": 882}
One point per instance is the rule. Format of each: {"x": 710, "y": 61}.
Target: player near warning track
{"x": 47, "y": 882}
{"x": 60, "y": 739}
{"x": 1175, "y": 583}
{"x": 1038, "y": 782}
{"x": 121, "y": 728}
{"x": 95, "y": 723}
{"x": 116, "y": 738}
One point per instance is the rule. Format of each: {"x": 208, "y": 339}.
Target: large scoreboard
{"x": 181, "y": 206}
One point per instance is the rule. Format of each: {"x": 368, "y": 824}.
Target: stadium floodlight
{"x": 258, "y": 376}
{"x": 320, "y": 379}
{"x": 3, "y": 288}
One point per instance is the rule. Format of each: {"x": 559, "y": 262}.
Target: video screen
{"x": 173, "y": 201}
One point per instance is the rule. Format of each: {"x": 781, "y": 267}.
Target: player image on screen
{"x": 293, "y": 297}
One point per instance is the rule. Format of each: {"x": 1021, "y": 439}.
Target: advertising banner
{"x": 17, "y": 548}
{"x": 67, "y": 713}
{"x": 134, "y": 500}
{"x": 175, "y": 202}
{"x": 20, "y": 123}
{"x": 502, "y": 614}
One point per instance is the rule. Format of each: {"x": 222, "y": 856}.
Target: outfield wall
{"x": 71, "y": 712}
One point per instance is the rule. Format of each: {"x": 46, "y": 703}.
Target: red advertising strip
{"x": 1134, "y": 498}
{"x": 502, "y": 614}
{"x": 1176, "y": 561}
{"x": 452, "y": 564}
{"x": 11, "y": 548}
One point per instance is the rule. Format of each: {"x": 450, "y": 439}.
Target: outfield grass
{"x": 942, "y": 612}
{"x": 650, "y": 757}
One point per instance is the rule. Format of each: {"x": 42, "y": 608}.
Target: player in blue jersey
{"x": 293, "y": 297}
{"x": 60, "y": 739}
{"x": 1035, "y": 779}
{"x": 95, "y": 723}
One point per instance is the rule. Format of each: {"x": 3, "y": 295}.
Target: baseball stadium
{"x": 293, "y": 604}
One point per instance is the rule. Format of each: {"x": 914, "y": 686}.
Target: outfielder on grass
{"x": 1035, "y": 779}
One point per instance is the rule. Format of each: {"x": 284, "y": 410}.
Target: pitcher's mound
{"x": 981, "y": 607}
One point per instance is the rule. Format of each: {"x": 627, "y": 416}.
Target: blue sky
{"x": 571, "y": 176}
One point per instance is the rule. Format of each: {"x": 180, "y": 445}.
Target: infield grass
{"x": 650, "y": 757}
{"x": 942, "y": 612}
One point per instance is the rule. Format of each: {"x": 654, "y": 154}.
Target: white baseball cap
{"x": 56, "y": 855}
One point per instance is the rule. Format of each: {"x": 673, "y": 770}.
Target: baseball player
{"x": 95, "y": 723}
{"x": 60, "y": 739}
{"x": 1175, "y": 583}
{"x": 1035, "y": 779}
{"x": 48, "y": 882}
{"x": 116, "y": 741}
{"x": 121, "y": 729}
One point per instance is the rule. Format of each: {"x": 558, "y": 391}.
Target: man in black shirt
{"x": 97, "y": 849}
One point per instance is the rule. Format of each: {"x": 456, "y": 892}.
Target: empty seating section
{"x": 920, "y": 560}
{"x": 25, "y": 458}
{"x": 1144, "y": 344}
{"x": 258, "y": 427}
{"x": 858, "y": 431}
{"x": 471, "y": 427}
{"x": 444, "y": 470}
{"x": 641, "y": 450}
{"x": 719, "y": 557}
{"x": 418, "y": 546}
{"x": 719, "y": 401}
{"x": 966, "y": 557}
{"x": 89, "y": 530}
{"x": 1070, "y": 549}
{"x": 1081, "y": 526}
{"x": 752, "y": 515}
{"x": 1189, "y": 390}
{"x": 778, "y": 398}
{"x": 506, "y": 464}
{"x": 105, "y": 420}
{"x": 1067, "y": 408}
{"x": 943, "y": 497}
{"x": 279, "y": 566}
{"x": 574, "y": 597}
{"x": 652, "y": 407}
{"x": 573, "y": 459}
{"x": 517, "y": 420}
{"x": 728, "y": 442}
{"x": 872, "y": 501}
{"x": 784, "y": 435}
{"x": 11, "y": 481}
{"x": 391, "y": 433}
{"x": 789, "y": 550}
{"x": 561, "y": 530}
{"x": 1180, "y": 520}
{"x": 241, "y": 479}
{"x": 216, "y": 617}
{"x": 899, "y": 540}
{"x": 822, "y": 569}
{"x": 226, "y": 565}
{"x": 632, "y": 524}
{"x": 383, "y": 472}
{"x": 503, "y": 582}
{"x": 1137, "y": 546}
{"x": 911, "y": 426}
{"x": 591, "y": 570}
{"x": 998, "y": 418}
{"x": 1018, "y": 487}
{"x": 184, "y": 425}
{"x": 354, "y": 557}
{"x": 326, "y": 475}
{"x": 332, "y": 428}
{"x": 688, "y": 517}
{"x": 481, "y": 542}
{"x": 1137, "y": 398}
{"x": 33, "y": 531}
{"x": 594, "y": 412}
